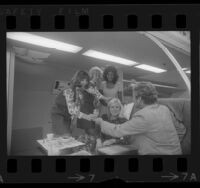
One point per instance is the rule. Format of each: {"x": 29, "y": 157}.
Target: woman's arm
{"x": 98, "y": 95}
{"x": 102, "y": 101}
{"x": 73, "y": 109}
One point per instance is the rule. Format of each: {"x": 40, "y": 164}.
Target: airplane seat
{"x": 181, "y": 115}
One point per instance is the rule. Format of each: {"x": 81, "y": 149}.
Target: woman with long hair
{"x": 111, "y": 86}
{"x": 73, "y": 106}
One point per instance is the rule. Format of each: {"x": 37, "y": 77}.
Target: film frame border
{"x": 184, "y": 168}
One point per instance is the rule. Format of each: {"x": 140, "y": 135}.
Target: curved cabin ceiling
{"x": 130, "y": 45}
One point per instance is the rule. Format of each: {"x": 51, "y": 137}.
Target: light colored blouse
{"x": 153, "y": 131}
{"x": 111, "y": 92}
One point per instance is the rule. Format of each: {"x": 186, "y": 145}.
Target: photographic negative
{"x": 129, "y": 93}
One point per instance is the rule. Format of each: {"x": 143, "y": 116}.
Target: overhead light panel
{"x": 42, "y": 41}
{"x": 108, "y": 57}
{"x": 150, "y": 68}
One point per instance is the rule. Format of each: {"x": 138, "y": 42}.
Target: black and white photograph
{"x": 98, "y": 93}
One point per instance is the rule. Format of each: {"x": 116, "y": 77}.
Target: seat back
{"x": 180, "y": 107}
{"x": 24, "y": 141}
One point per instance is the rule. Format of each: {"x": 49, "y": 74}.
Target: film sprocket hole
{"x": 125, "y": 106}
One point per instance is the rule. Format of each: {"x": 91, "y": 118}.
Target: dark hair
{"x": 114, "y": 71}
{"x": 146, "y": 91}
{"x": 78, "y": 77}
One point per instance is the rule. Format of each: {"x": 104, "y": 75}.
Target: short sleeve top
{"x": 111, "y": 92}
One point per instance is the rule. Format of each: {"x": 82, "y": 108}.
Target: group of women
{"x": 93, "y": 103}
{"x": 95, "y": 92}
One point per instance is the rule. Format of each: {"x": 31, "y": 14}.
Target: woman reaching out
{"x": 73, "y": 105}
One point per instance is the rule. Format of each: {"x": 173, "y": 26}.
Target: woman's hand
{"x": 91, "y": 117}
{"x": 97, "y": 121}
{"x": 86, "y": 116}
{"x": 91, "y": 90}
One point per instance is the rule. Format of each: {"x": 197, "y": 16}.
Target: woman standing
{"x": 73, "y": 105}
{"x": 96, "y": 77}
{"x": 111, "y": 86}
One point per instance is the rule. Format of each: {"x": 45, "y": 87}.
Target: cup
{"x": 53, "y": 151}
{"x": 50, "y": 136}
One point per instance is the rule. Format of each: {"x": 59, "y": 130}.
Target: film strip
{"x": 96, "y": 19}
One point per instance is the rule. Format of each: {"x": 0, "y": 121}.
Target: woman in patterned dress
{"x": 73, "y": 105}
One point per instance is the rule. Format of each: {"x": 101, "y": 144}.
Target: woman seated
{"x": 114, "y": 116}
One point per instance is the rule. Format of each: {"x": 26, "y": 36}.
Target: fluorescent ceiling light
{"x": 189, "y": 71}
{"x": 150, "y": 68}
{"x": 42, "y": 41}
{"x": 107, "y": 57}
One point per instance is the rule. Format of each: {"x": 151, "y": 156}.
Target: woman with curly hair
{"x": 111, "y": 86}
